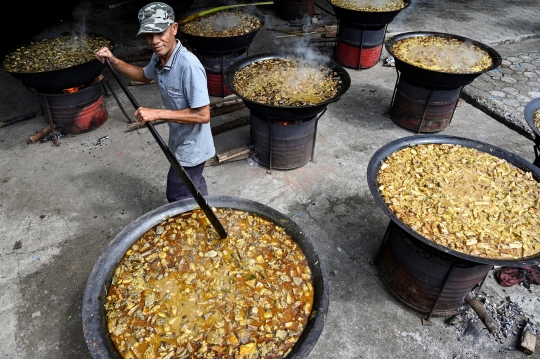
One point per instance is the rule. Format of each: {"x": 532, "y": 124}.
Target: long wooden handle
{"x": 174, "y": 162}
{"x": 216, "y": 9}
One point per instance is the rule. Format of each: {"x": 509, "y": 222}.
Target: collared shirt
{"x": 182, "y": 84}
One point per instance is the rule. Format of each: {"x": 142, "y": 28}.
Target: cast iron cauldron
{"x": 439, "y": 78}
{"x": 366, "y": 17}
{"x": 60, "y": 79}
{"x": 285, "y": 113}
{"x": 529, "y": 112}
{"x": 94, "y": 318}
{"x": 220, "y": 45}
{"x": 396, "y": 145}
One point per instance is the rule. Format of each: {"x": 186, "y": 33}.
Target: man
{"x": 182, "y": 83}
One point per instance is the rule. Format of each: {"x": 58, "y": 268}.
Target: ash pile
{"x": 511, "y": 320}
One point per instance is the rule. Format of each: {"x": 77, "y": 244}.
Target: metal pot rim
{"x": 93, "y": 318}
{"x": 529, "y": 111}
{"x": 240, "y": 64}
{"x": 58, "y": 71}
{"x": 227, "y": 37}
{"x": 407, "y": 4}
{"x": 395, "y": 145}
{"x": 497, "y": 59}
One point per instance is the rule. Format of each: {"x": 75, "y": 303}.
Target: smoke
{"x": 256, "y": 10}
{"x": 80, "y": 16}
{"x": 305, "y": 77}
{"x": 75, "y": 26}
{"x": 309, "y": 71}
{"x": 301, "y": 47}
{"x": 463, "y": 57}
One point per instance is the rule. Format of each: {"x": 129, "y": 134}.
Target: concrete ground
{"x": 61, "y": 205}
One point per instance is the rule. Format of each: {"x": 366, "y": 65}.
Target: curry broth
{"x": 181, "y": 292}
{"x": 464, "y": 199}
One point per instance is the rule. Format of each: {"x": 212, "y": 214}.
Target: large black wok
{"x": 59, "y": 79}
{"x": 285, "y": 113}
{"x": 529, "y": 112}
{"x": 366, "y": 17}
{"x": 389, "y": 148}
{"x": 94, "y": 320}
{"x": 439, "y": 78}
{"x": 219, "y": 45}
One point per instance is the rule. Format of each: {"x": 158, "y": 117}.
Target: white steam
{"x": 457, "y": 57}
{"x": 222, "y": 21}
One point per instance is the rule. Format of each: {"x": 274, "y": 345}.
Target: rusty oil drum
{"x": 423, "y": 108}
{"x": 283, "y": 145}
{"x": 416, "y": 275}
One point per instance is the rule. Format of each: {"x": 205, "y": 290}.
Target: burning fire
{"x": 72, "y": 89}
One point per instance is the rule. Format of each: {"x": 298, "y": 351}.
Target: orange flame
{"x": 72, "y": 89}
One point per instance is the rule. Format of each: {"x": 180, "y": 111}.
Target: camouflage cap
{"x": 155, "y": 17}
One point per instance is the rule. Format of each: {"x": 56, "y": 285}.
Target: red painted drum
{"x": 216, "y": 87}
{"x": 357, "y": 57}
{"x": 77, "y": 112}
{"x": 215, "y": 66}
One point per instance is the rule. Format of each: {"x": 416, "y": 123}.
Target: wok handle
{"x": 173, "y": 161}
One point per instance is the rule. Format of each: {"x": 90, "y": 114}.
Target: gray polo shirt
{"x": 182, "y": 84}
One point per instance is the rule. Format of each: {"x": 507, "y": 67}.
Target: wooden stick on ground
{"x": 224, "y": 110}
{"x": 40, "y": 134}
{"x": 227, "y": 156}
{"x": 239, "y": 122}
{"x": 143, "y": 55}
{"x": 482, "y": 313}
{"x": 527, "y": 343}
{"x": 236, "y": 154}
{"x": 225, "y": 103}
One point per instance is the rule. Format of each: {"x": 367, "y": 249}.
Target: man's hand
{"x": 135, "y": 73}
{"x": 105, "y": 53}
{"x": 144, "y": 115}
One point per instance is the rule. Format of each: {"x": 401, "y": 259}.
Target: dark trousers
{"x": 176, "y": 190}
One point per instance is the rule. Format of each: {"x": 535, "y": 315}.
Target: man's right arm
{"x": 135, "y": 73}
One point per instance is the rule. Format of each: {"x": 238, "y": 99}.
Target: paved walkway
{"x": 62, "y": 207}
{"x": 488, "y": 21}
{"x": 504, "y": 92}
